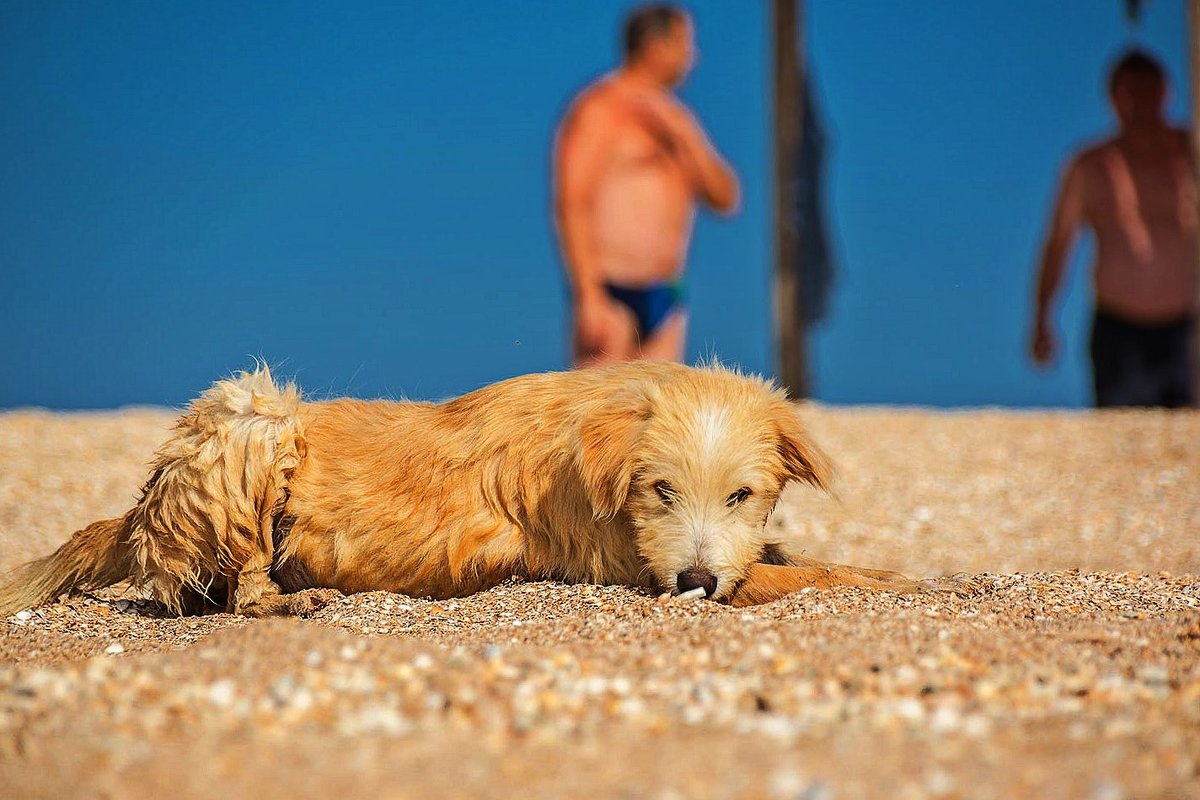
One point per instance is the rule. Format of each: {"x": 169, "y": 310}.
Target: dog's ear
{"x": 802, "y": 459}
{"x": 608, "y": 440}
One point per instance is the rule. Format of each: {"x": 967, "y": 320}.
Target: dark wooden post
{"x": 790, "y": 331}
{"x": 1194, "y": 49}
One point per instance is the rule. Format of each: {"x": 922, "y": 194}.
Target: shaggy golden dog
{"x": 644, "y": 474}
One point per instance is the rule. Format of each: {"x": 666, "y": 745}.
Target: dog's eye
{"x": 665, "y": 492}
{"x": 738, "y": 497}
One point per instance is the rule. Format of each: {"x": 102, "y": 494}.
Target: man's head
{"x": 1137, "y": 88}
{"x": 659, "y": 39}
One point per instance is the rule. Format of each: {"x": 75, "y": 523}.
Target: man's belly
{"x": 1158, "y": 288}
{"x": 642, "y": 227}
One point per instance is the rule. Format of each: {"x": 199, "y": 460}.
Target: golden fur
{"x": 630, "y": 474}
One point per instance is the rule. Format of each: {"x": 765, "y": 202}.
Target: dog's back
{"x": 447, "y": 499}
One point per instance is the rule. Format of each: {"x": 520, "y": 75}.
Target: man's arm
{"x": 714, "y": 180}
{"x": 1065, "y": 223}
{"x": 581, "y": 153}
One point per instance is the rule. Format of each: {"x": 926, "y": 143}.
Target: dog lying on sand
{"x": 644, "y": 474}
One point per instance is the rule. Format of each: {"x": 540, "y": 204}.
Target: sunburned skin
{"x": 644, "y": 202}
{"x": 1140, "y": 201}
{"x": 631, "y": 165}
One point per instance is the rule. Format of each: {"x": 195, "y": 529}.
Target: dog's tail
{"x": 95, "y": 557}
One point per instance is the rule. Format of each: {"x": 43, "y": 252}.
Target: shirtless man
{"x": 1137, "y": 192}
{"x": 630, "y": 163}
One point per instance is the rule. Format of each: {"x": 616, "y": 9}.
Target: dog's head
{"x": 697, "y": 462}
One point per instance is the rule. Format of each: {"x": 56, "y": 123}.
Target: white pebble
{"x": 1153, "y": 674}
{"x": 910, "y": 709}
{"x": 221, "y": 693}
{"x": 939, "y": 783}
{"x": 787, "y": 784}
{"x": 1106, "y": 789}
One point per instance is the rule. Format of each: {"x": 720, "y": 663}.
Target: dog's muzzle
{"x": 696, "y": 578}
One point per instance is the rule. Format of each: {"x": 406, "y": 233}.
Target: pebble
{"x": 221, "y": 693}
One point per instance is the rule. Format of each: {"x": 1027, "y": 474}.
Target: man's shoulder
{"x": 596, "y": 98}
{"x": 1094, "y": 150}
{"x": 1091, "y": 155}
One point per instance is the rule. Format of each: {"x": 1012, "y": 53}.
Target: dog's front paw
{"x": 309, "y": 601}
{"x": 300, "y": 604}
{"x": 960, "y": 583}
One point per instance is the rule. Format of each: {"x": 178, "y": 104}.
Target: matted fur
{"x": 628, "y": 474}
{"x": 205, "y": 516}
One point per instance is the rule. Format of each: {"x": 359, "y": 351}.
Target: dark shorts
{"x": 651, "y": 305}
{"x": 1136, "y": 364}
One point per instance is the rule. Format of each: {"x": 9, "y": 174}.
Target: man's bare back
{"x": 630, "y": 165}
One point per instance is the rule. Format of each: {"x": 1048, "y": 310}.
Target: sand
{"x": 1075, "y": 672}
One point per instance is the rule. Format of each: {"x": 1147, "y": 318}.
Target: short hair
{"x": 649, "y": 22}
{"x": 1136, "y": 62}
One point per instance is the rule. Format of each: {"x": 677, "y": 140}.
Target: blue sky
{"x": 358, "y": 192}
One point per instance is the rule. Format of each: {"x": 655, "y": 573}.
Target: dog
{"x": 645, "y": 474}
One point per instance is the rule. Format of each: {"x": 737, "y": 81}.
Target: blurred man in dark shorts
{"x": 1137, "y": 193}
{"x": 630, "y": 164}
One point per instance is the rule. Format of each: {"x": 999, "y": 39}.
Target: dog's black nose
{"x": 696, "y": 578}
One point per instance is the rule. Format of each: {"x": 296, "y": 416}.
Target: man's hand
{"x": 593, "y": 321}
{"x": 681, "y": 135}
{"x": 1043, "y": 347}
{"x": 664, "y": 119}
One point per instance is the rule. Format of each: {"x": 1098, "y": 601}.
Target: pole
{"x": 789, "y": 322}
{"x": 1194, "y": 49}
